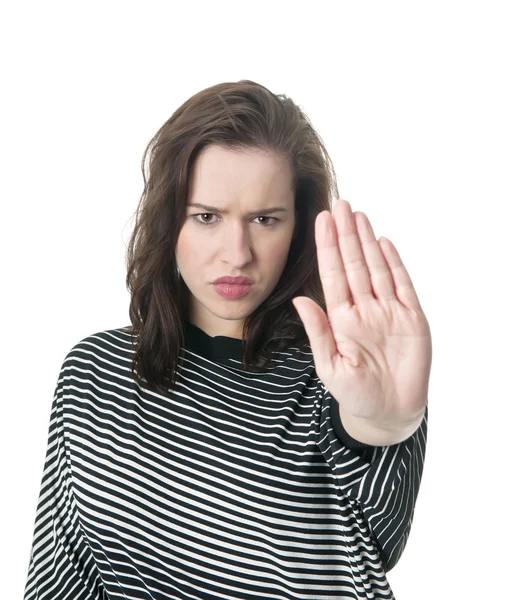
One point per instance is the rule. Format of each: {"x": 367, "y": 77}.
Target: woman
{"x": 233, "y": 442}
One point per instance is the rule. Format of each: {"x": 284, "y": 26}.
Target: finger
{"x": 357, "y": 272}
{"x": 330, "y": 265}
{"x": 379, "y": 271}
{"x": 403, "y": 285}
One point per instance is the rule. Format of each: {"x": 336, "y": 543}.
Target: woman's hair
{"x": 235, "y": 115}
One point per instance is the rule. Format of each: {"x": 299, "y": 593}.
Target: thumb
{"x": 319, "y": 332}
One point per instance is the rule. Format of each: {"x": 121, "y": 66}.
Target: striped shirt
{"x": 238, "y": 485}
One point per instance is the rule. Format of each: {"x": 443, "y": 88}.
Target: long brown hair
{"x": 234, "y": 115}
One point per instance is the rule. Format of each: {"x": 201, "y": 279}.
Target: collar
{"x": 218, "y": 347}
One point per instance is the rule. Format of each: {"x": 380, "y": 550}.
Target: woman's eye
{"x": 201, "y": 215}
{"x": 272, "y": 219}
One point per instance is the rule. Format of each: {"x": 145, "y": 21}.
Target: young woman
{"x": 259, "y": 430}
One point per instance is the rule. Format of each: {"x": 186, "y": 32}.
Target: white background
{"x": 411, "y": 99}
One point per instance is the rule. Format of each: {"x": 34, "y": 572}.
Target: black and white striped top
{"x": 240, "y": 485}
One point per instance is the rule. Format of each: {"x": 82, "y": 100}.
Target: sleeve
{"x": 380, "y": 482}
{"x": 61, "y": 563}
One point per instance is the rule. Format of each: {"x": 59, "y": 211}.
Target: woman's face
{"x": 236, "y": 236}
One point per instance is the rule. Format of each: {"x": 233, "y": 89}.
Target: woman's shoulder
{"x": 108, "y": 347}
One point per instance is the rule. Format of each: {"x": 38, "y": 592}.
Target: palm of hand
{"x": 373, "y": 349}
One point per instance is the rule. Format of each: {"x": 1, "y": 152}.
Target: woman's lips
{"x": 232, "y": 290}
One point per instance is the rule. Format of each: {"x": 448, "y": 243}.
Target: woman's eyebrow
{"x": 263, "y": 211}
